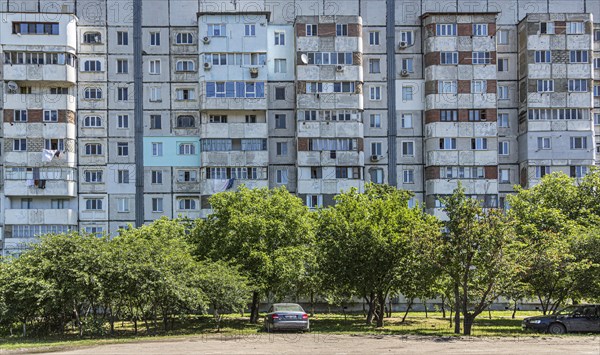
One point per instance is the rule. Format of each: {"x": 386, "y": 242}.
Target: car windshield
{"x": 567, "y": 311}
{"x": 287, "y": 308}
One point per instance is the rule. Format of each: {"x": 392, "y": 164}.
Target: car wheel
{"x": 556, "y": 328}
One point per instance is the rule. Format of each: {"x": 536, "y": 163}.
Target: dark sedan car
{"x": 580, "y": 318}
{"x": 287, "y": 316}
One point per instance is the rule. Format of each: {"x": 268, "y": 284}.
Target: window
{"x": 184, "y": 38}
{"x": 545, "y": 86}
{"x": 281, "y": 176}
{"x": 575, "y": 28}
{"x": 408, "y": 176}
{"x": 597, "y": 35}
{"x": 92, "y": 38}
{"x": 449, "y": 58}
{"x": 449, "y": 115}
{"x": 408, "y": 149}
{"x": 502, "y": 64}
{"x": 447, "y": 87}
{"x": 481, "y": 58}
{"x": 341, "y": 30}
{"x": 50, "y": 115}
{"x": 155, "y": 94}
{"x": 122, "y": 94}
{"x": 185, "y": 121}
{"x": 478, "y": 86}
{"x": 54, "y": 144}
{"x": 26, "y": 203}
{"x": 547, "y": 28}
{"x": 541, "y": 171}
{"x": 280, "y": 93}
{"x": 92, "y": 93}
{"x": 249, "y": 30}
{"x": 503, "y": 148}
{"x": 157, "y": 149}
{"x": 578, "y": 142}
{"x": 407, "y": 93}
{"x": 408, "y": 37}
{"x": 447, "y": 143}
{"x": 185, "y": 66}
{"x": 374, "y": 38}
{"x": 480, "y": 29}
{"x": 187, "y": 176}
{"x": 543, "y": 57}
{"x": 579, "y": 57}
{"x": 122, "y": 121}
{"x": 185, "y": 94}
{"x": 502, "y": 37}
{"x": 504, "y": 176}
{"x": 544, "y": 143}
{"x": 311, "y": 30}
{"x": 445, "y": 29}
{"x": 477, "y": 115}
{"x": 123, "y": 205}
{"x": 36, "y": 28}
{"x": 479, "y": 144}
{"x": 407, "y": 120}
{"x": 93, "y": 204}
{"x": 578, "y": 171}
{"x": 376, "y": 175}
{"x": 217, "y": 30}
{"x": 280, "y": 66}
{"x": 376, "y": 149}
{"x": 503, "y": 120}
{"x": 122, "y": 149}
{"x": 122, "y": 66}
{"x": 217, "y": 118}
{"x": 93, "y": 149}
{"x": 155, "y": 38}
{"x": 282, "y": 149}
{"x": 250, "y": 118}
{"x": 157, "y": 177}
{"x": 122, "y": 38}
{"x": 187, "y": 149}
{"x": 20, "y": 145}
{"x": 94, "y": 230}
{"x": 187, "y": 204}
{"x": 375, "y": 120}
{"x": 408, "y": 65}
{"x": 157, "y": 205}
{"x": 58, "y": 91}
{"x": 375, "y": 93}
{"x": 314, "y": 201}
{"x": 503, "y": 92}
{"x": 92, "y": 66}
{"x": 280, "y": 38}
{"x": 20, "y": 115}
{"x": 123, "y": 176}
{"x": 93, "y": 176}
{"x": 280, "y": 121}
{"x": 578, "y": 85}
{"x": 155, "y": 67}
{"x": 155, "y": 121}
{"x": 597, "y": 90}
{"x": 374, "y": 66}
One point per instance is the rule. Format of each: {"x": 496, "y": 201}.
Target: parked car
{"x": 580, "y": 318}
{"x": 286, "y": 316}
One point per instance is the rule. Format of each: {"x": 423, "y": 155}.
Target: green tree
{"x": 476, "y": 255}
{"x": 367, "y": 243}
{"x": 267, "y": 233}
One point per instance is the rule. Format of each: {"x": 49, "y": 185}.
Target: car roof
{"x": 285, "y": 304}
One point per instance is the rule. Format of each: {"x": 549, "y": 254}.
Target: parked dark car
{"x": 287, "y": 316}
{"x": 580, "y": 318}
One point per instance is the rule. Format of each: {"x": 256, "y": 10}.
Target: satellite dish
{"x": 12, "y": 87}
{"x": 304, "y": 58}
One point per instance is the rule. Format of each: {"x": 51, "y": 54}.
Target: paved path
{"x": 283, "y": 344}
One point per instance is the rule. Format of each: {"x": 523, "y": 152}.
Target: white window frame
{"x": 480, "y": 29}
{"x": 154, "y": 67}
{"x": 157, "y": 149}
{"x": 544, "y": 143}
{"x": 545, "y": 85}
{"x": 504, "y": 148}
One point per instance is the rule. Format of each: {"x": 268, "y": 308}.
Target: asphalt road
{"x": 314, "y": 343}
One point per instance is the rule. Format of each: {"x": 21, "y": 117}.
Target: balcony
{"x": 45, "y": 72}
{"x": 471, "y": 186}
{"x": 40, "y": 101}
{"x": 234, "y": 130}
{"x": 211, "y": 187}
{"x": 325, "y": 158}
{"x": 330, "y": 101}
{"x": 221, "y": 103}
{"x": 235, "y": 158}
{"x": 41, "y": 216}
{"x": 330, "y": 73}
{"x": 462, "y": 157}
{"x": 54, "y": 188}
{"x": 331, "y": 129}
{"x": 329, "y": 186}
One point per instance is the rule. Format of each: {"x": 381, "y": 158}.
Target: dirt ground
{"x": 314, "y": 343}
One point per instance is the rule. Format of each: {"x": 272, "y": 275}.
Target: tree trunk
{"x": 24, "y": 328}
{"x": 514, "y": 310}
{"x": 112, "y": 322}
{"x": 443, "y": 307}
{"x": 79, "y": 324}
{"x": 450, "y": 318}
{"x": 408, "y": 306}
{"x": 457, "y": 309}
{"x": 371, "y": 312}
{"x": 468, "y": 324}
{"x": 380, "y": 310}
{"x": 312, "y": 303}
{"x": 425, "y": 304}
{"x": 254, "y": 308}
{"x": 135, "y": 328}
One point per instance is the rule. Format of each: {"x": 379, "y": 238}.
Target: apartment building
{"x": 118, "y": 112}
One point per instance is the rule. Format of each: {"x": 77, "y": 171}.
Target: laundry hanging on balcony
{"x": 222, "y": 185}
{"x": 48, "y": 155}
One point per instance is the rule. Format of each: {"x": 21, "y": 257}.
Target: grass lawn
{"x": 501, "y": 325}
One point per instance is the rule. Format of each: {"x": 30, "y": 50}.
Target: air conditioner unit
{"x": 375, "y": 157}
{"x": 404, "y": 72}
{"x": 206, "y": 40}
{"x": 339, "y": 68}
{"x": 402, "y": 45}
{"x": 253, "y": 72}
{"x": 207, "y": 66}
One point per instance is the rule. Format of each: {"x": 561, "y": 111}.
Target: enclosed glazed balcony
{"x": 40, "y": 216}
